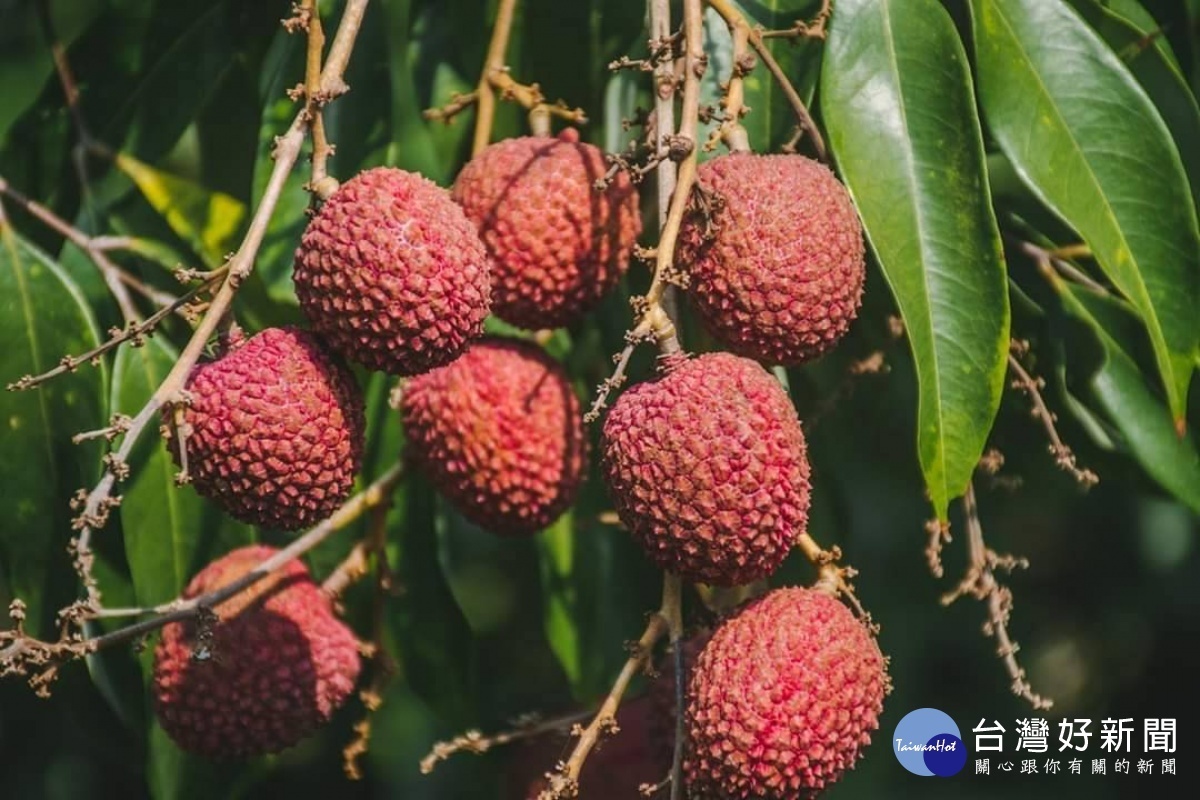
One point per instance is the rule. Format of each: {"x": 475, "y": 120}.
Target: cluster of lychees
{"x": 398, "y": 275}
{"x": 706, "y": 464}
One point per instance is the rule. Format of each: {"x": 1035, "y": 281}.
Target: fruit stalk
{"x": 737, "y": 21}
{"x": 25, "y": 655}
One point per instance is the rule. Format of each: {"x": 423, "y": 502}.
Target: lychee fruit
{"x": 557, "y": 244}
{"x": 782, "y": 699}
{"x": 707, "y": 468}
{"x": 774, "y": 251}
{"x": 499, "y": 432}
{"x": 392, "y": 274}
{"x": 272, "y": 667}
{"x": 275, "y": 430}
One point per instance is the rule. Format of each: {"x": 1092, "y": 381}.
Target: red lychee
{"x": 782, "y": 699}
{"x": 499, "y": 432}
{"x": 774, "y": 250}
{"x": 273, "y": 667}
{"x": 392, "y": 274}
{"x": 276, "y": 430}
{"x": 557, "y": 244}
{"x": 707, "y": 468}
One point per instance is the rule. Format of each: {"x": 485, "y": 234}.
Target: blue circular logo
{"x": 927, "y": 742}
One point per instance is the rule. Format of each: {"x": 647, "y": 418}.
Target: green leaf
{"x": 434, "y": 636}
{"x": 413, "y": 141}
{"x": 210, "y": 221}
{"x": 1128, "y": 30}
{"x": 1083, "y": 134}
{"x": 43, "y": 317}
{"x": 1117, "y": 387}
{"x": 176, "y": 775}
{"x": 896, "y": 96}
{"x": 556, "y": 556}
{"x": 25, "y": 60}
{"x": 169, "y": 531}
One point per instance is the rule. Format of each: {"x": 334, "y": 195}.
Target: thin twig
{"x": 980, "y": 582}
{"x": 484, "y": 92}
{"x": 459, "y": 102}
{"x": 1056, "y": 261}
{"x": 134, "y": 334}
{"x": 735, "y": 19}
{"x": 816, "y": 28}
{"x": 564, "y": 782}
{"x": 114, "y": 277}
{"x": 320, "y": 184}
{"x": 1064, "y": 456}
{"x": 39, "y": 660}
{"x": 66, "y": 79}
{"x": 476, "y": 743}
{"x": 733, "y": 101}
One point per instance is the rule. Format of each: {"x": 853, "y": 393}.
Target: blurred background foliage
{"x": 189, "y": 96}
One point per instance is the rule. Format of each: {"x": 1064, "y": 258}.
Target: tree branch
{"x": 564, "y": 782}
{"x": 40, "y": 660}
{"x": 484, "y": 93}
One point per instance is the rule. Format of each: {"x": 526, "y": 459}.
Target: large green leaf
{"x": 1117, "y": 387}
{"x": 43, "y": 317}
{"x": 896, "y": 96}
{"x": 1083, "y": 134}
{"x": 169, "y": 531}
{"x": 1129, "y": 31}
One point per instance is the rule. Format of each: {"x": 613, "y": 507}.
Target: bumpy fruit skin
{"x": 782, "y": 699}
{"x": 277, "y": 666}
{"x": 777, "y": 274}
{"x": 392, "y": 274}
{"x": 276, "y": 430}
{"x": 708, "y": 469}
{"x": 499, "y": 432}
{"x": 557, "y": 245}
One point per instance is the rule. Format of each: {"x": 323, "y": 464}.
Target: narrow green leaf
{"x": 210, "y": 221}
{"x": 1083, "y": 134}
{"x": 413, "y": 145}
{"x": 896, "y": 96}
{"x": 1118, "y": 388}
{"x": 1129, "y": 31}
{"x": 434, "y": 636}
{"x": 176, "y": 775}
{"x": 556, "y": 560}
{"x": 169, "y": 531}
{"x": 43, "y": 317}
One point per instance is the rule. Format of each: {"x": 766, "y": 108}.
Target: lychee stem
{"x": 564, "y": 783}
{"x": 735, "y": 19}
